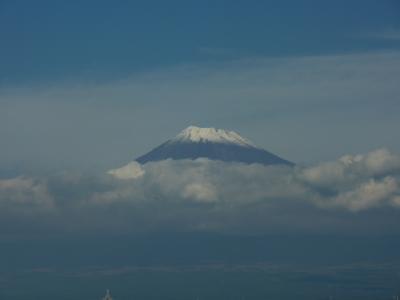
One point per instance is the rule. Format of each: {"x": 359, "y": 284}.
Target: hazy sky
{"x": 92, "y": 85}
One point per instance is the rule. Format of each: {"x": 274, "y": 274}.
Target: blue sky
{"x": 93, "y": 84}
{"x": 47, "y": 40}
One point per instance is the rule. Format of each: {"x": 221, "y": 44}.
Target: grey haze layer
{"x": 214, "y": 144}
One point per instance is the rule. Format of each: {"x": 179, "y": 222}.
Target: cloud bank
{"x": 355, "y": 192}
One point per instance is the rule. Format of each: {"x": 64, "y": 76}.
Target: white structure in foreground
{"x": 107, "y": 296}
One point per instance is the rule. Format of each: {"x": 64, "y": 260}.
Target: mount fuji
{"x": 214, "y": 144}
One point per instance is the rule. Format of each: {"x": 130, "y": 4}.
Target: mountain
{"x": 215, "y": 144}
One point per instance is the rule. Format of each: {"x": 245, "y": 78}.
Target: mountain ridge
{"x": 215, "y": 144}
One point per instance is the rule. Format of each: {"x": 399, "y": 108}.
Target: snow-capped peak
{"x": 198, "y": 134}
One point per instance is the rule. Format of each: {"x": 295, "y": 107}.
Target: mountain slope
{"x": 215, "y": 144}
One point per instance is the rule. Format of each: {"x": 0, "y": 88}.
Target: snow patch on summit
{"x": 213, "y": 135}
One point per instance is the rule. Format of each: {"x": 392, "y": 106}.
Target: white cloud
{"x": 396, "y": 201}
{"x": 326, "y": 174}
{"x": 213, "y": 195}
{"x": 132, "y": 170}
{"x": 25, "y": 194}
{"x": 380, "y": 161}
{"x": 367, "y": 195}
{"x": 200, "y": 192}
{"x": 352, "y": 168}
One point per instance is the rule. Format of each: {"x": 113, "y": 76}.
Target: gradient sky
{"x": 43, "y": 41}
{"x": 90, "y": 84}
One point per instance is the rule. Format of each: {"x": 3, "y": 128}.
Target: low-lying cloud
{"x": 355, "y": 192}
